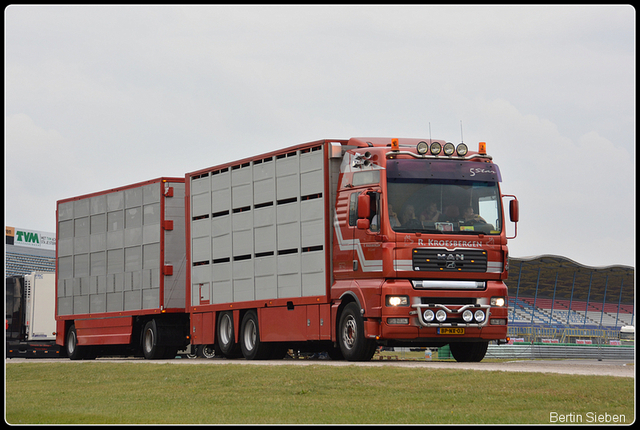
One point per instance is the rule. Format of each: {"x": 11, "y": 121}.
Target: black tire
{"x": 75, "y": 351}
{"x": 353, "y": 344}
{"x": 204, "y": 351}
{"x": 208, "y": 351}
{"x": 469, "y": 352}
{"x": 252, "y": 347}
{"x": 150, "y": 348}
{"x": 194, "y": 352}
{"x": 225, "y": 335}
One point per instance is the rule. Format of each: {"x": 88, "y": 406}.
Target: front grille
{"x": 442, "y": 260}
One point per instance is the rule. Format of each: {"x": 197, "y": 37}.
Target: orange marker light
{"x": 482, "y": 148}
{"x": 395, "y": 146}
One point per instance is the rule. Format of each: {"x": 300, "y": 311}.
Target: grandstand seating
{"x": 22, "y": 264}
{"x": 548, "y": 312}
{"x": 556, "y": 293}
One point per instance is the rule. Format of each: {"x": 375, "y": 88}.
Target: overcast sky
{"x": 100, "y": 97}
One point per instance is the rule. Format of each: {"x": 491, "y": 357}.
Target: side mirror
{"x": 514, "y": 210}
{"x": 514, "y": 213}
{"x": 363, "y": 224}
{"x": 364, "y": 206}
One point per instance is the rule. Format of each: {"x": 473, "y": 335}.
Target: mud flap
{"x": 372, "y": 329}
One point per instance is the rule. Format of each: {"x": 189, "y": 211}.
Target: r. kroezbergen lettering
{"x": 452, "y": 243}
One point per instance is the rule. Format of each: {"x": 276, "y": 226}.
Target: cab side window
{"x": 353, "y": 209}
{"x": 373, "y": 216}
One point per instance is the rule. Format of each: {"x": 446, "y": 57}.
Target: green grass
{"x": 91, "y": 393}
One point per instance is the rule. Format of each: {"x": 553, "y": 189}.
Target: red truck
{"x": 334, "y": 245}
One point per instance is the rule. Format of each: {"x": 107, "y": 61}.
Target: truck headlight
{"x": 479, "y": 315}
{"x": 441, "y": 315}
{"x": 422, "y": 147}
{"x": 428, "y": 315}
{"x": 467, "y": 316}
{"x": 498, "y": 301}
{"x": 435, "y": 148}
{"x": 397, "y": 301}
{"x": 448, "y": 148}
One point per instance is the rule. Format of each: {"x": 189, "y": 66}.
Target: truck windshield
{"x": 444, "y": 205}
{"x": 627, "y": 334}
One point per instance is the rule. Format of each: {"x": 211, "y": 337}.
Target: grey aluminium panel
{"x": 267, "y": 229}
{"x": 109, "y": 255}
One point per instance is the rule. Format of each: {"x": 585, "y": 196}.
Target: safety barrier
{"x": 543, "y": 350}
{"x": 563, "y": 334}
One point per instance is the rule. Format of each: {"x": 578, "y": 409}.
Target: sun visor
{"x": 443, "y": 169}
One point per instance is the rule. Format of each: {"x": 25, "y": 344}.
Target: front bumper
{"x": 409, "y": 323}
{"x": 450, "y": 311}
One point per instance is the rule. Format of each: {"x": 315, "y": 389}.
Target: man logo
{"x": 451, "y": 257}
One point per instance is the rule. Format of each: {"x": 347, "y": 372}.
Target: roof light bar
{"x": 422, "y": 147}
{"x": 449, "y": 149}
{"x": 436, "y": 148}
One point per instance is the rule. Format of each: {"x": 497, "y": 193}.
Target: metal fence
{"x": 563, "y": 334}
{"x": 533, "y": 351}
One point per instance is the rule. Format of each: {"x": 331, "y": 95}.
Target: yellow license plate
{"x": 450, "y": 330}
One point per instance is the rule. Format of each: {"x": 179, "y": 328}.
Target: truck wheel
{"x": 353, "y": 344}
{"x": 252, "y": 348}
{"x": 226, "y": 339}
{"x": 469, "y": 351}
{"x": 208, "y": 351}
{"x": 150, "y": 349}
{"x": 194, "y": 352}
{"x": 74, "y": 352}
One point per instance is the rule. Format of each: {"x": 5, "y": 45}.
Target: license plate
{"x": 450, "y": 330}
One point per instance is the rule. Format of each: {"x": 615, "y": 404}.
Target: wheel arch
{"x": 349, "y": 297}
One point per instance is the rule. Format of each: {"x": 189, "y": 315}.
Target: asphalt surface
{"x": 617, "y": 368}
